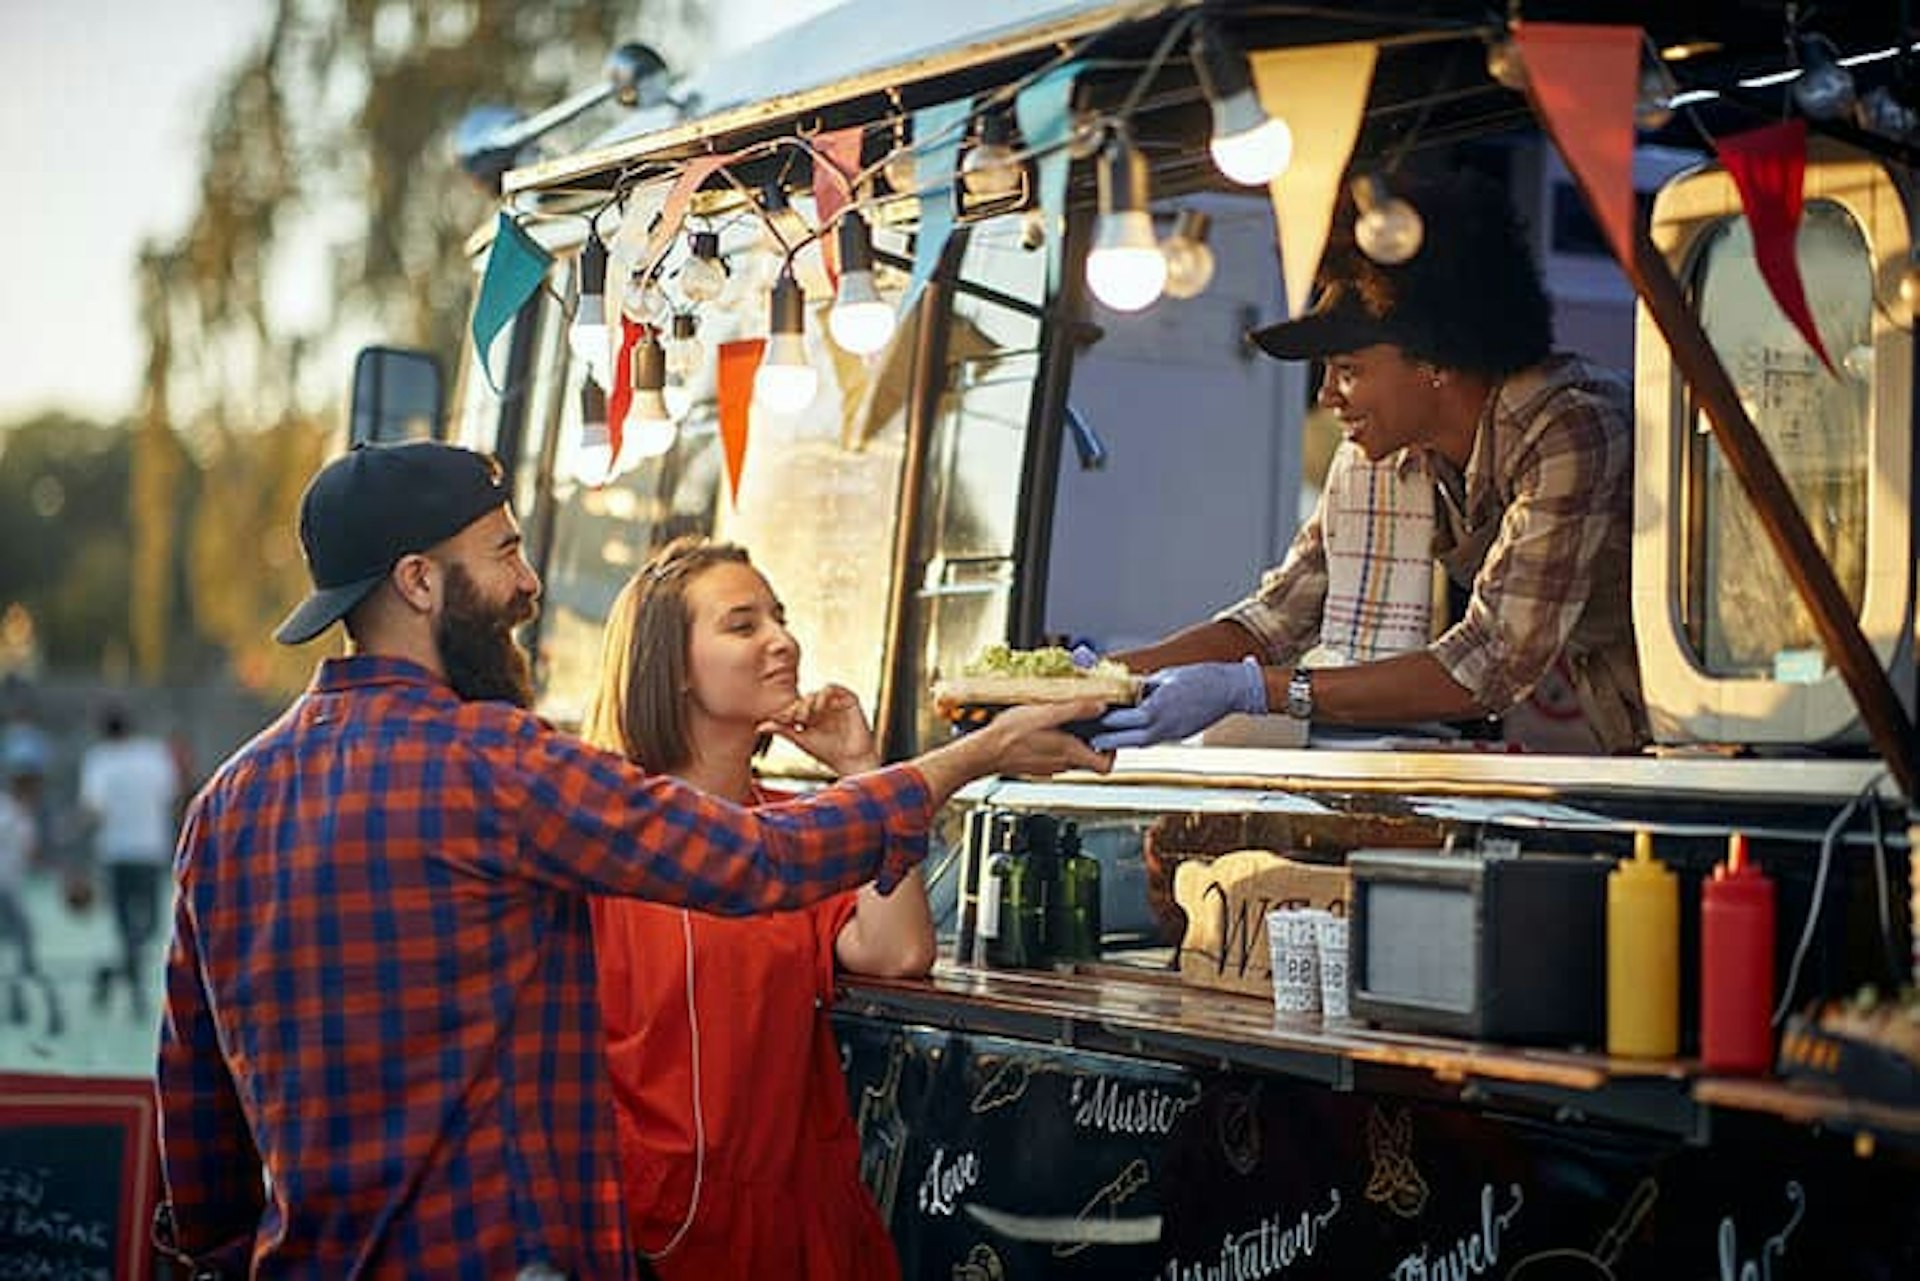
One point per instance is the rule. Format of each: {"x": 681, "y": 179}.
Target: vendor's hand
{"x": 1028, "y": 740}
{"x": 1184, "y": 700}
{"x": 828, "y": 725}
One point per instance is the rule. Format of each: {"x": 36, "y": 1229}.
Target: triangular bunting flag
{"x": 738, "y": 362}
{"x": 620, "y": 391}
{"x": 1583, "y": 81}
{"x": 1769, "y": 167}
{"x": 841, "y": 150}
{"x": 516, "y": 264}
{"x": 673, "y": 211}
{"x": 1044, "y": 112}
{"x": 1322, "y": 95}
{"x": 937, "y": 134}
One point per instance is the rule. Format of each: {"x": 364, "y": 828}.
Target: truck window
{"x": 971, "y": 482}
{"x": 1743, "y": 617}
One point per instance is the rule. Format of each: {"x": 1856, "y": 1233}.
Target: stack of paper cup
{"x": 1294, "y": 944}
{"x": 1330, "y": 933}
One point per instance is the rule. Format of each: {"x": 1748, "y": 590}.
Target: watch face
{"x": 1300, "y": 696}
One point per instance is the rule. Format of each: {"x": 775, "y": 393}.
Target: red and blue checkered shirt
{"x": 382, "y": 1053}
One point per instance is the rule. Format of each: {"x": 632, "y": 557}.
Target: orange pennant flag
{"x": 738, "y": 362}
{"x": 1321, "y": 93}
{"x": 1583, "y": 81}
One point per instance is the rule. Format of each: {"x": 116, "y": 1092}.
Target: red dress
{"x": 779, "y": 1191}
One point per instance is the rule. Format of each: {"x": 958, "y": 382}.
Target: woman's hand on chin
{"x": 828, "y": 725}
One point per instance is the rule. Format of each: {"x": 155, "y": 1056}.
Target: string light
{"x": 1389, "y": 230}
{"x": 1249, "y": 146}
{"x": 587, "y": 335}
{"x": 686, "y": 354}
{"x": 991, "y": 168}
{"x": 902, "y": 167}
{"x": 653, "y": 430}
{"x": 593, "y": 457}
{"x": 703, "y": 276}
{"x": 860, "y": 321}
{"x": 786, "y": 381}
{"x": 1505, "y": 67}
{"x": 1653, "y": 107}
{"x": 1189, "y": 260}
{"x": 1824, "y": 89}
{"x": 1125, "y": 268}
{"x": 644, "y": 301}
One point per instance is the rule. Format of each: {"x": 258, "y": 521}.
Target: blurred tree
{"x": 333, "y": 132}
{"x": 63, "y": 536}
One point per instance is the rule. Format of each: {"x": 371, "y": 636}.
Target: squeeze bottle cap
{"x": 1643, "y": 865}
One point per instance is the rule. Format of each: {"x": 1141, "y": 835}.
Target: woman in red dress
{"x": 738, "y": 1155}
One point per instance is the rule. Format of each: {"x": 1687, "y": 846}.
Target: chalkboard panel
{"x": 77, "y": 1178}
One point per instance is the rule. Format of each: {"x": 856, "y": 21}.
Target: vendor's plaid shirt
{"x": 1539, "y": 527}
{"x": 382, "y": 1052}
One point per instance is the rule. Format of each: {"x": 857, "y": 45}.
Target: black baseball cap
{"x": 1341, "y": 320}
{"x": 366, "y": 509}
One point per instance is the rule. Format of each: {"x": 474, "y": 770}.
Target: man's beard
{"x": 477, "y": 649}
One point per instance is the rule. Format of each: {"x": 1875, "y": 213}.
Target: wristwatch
{"x": 1300, "y": 694}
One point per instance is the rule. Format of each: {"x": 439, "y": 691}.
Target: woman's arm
{"x": 889, "y": 935}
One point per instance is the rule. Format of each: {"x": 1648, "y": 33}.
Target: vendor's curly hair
{"x": 1471, "y": 299}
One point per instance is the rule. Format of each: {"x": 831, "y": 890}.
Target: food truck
{"x": 1012, "y": 402}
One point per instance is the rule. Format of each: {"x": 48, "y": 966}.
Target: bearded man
{"x": 382, "y": 1054}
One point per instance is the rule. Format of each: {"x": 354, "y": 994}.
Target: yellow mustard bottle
{"x": 1643, "y": 955}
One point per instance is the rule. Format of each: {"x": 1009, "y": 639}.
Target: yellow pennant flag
{"x": 1321, "y": 92}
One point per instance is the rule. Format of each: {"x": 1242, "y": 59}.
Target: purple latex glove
{"x": 1083, "y": 655}
{"x": 1184, "y": 700}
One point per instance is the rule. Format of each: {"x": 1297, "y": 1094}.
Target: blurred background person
{"x": 22, "y": 774}
{"x": 738, "y": 1153}
{"x": 129, "y": 798}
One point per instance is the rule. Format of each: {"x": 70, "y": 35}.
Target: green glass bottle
{"x": 1075, "y": 932}
{"x": 1019, "y": 942}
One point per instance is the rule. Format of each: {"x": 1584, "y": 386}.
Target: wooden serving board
{"x": 1007, "y": 691}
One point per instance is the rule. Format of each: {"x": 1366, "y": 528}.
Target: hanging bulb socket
{"x": 860, "y": 321}
{"x": 1249, "y": 146}
{"x": 649, "y": 376}
{"x": 685, "y": 352}
{"x": 587, "y": 335}
{"x": 1388, "y": 230}
{"x": 1505, "y": 66}
{"x": 786, "y": 381}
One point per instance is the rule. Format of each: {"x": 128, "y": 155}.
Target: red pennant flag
{"x": 1769, "y": 167}
{"x": 739, "y": 361}
{"x": 1584, "y": 81}
{"x": 620, "y": 395}
{"x": 831, "y": 187}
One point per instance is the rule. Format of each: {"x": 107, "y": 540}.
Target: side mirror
{"x": 397, "y": 395}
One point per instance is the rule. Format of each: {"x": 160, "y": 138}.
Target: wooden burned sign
{"x": 1226, "y": 901}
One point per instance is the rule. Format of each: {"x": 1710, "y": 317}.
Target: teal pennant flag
{"x": 937, "y": 135}
{"x": 1043, "y": 110}
{"x": 515, "y": 267}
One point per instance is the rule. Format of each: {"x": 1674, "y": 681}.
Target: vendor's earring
{"x": 1436, "y": 380}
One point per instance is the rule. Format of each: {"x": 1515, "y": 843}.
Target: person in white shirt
{"x": 20, "y": 779}
{"x": 129, "y": 792}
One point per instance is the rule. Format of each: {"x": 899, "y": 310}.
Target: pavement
{"x": 63, "y": 1030}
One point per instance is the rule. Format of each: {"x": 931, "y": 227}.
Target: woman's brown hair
{"x": 639, "y": 707}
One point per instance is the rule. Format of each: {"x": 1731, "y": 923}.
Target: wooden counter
{"x": 1148, "y": 1014}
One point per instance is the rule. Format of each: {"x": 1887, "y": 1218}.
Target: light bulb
{"x": 1505, "y": 67}
{"x": 644, "y": 301}
{"x": 860, "y": 320}
{"x": 593, "y": 455}
{"x": 648, "y": 438}
{"x": 1088, "y": 135}
{"x": 1125, "y": 268}
{"x": 1189, "y": 260}
{"x": 786, "y": 381}
{"x": 992, "y": 167}
{"x": 649, "y": 375}
{"x": 702, "y": 276}
{"x": 1249, "y": 146}
{"x": 1824, "y": 90}
{"x": 587, "y": 335}
{"x": 686, "y": 354}
{"x": 901, "y": 169}
{"x": 1389, "y": 230}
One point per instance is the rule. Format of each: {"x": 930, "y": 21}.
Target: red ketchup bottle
{"x": 1736, "y": 965}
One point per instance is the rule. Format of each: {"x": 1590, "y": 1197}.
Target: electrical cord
{"x": 1828, "y": 842}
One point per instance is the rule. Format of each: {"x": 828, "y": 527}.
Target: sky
{"x": 100, "y": 125}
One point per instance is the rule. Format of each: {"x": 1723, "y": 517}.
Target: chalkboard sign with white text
{"x": 77, "y": 1171}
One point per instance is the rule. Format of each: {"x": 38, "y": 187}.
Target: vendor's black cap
{"x": 1339, "y": 321}
{"x": 368, "y": 508}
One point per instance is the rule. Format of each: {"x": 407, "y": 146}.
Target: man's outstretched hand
{"x": 1180, "y": 701}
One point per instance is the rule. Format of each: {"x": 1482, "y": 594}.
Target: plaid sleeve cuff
{"x": 909, "y": 804}
{"x": 1280, "y": 636}
{"x": 1468, "y": 653}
